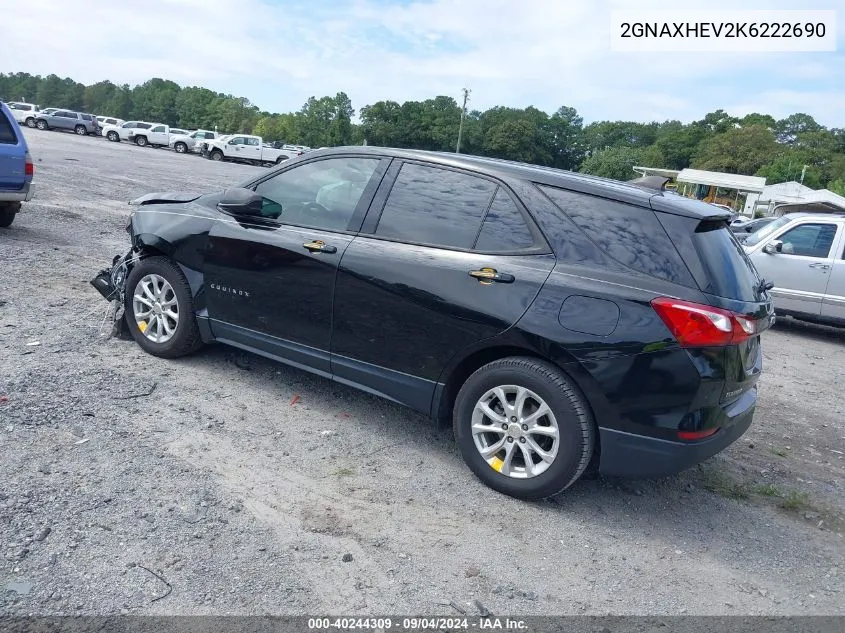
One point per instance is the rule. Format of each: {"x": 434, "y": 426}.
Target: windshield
{"x": 758, "y": 236}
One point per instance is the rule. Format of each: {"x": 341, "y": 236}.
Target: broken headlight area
{"x": 111, "y": 283}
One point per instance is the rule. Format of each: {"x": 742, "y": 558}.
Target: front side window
{"x": 809, "y": 240}
{"x": 158, "y": 128}
{"x": 238, "y": 140}
{"x": 143, "y": 126}
{"x": 130, "y": 124}
{"x": 441, "y": 207}
{"x": 322, "y": 194}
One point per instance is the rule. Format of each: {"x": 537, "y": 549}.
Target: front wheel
{"x": 180, "y": 148}
{"x": 160, "y": 309}
{"x": 524, "y": 428}
{"x": 30, "y": 122}
{"x": 41, "y": 124}
{"x": 113, "y": 136}
{"x": 141, "y": 141}
{"x": 217, "y": 155}
{"x": 80, "y": 130}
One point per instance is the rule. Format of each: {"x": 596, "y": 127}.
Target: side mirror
{"x": 240, "y": 201}
{"x": 775, "y": 246}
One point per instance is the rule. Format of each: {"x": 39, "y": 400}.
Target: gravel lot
{"x": 221, "y": 492}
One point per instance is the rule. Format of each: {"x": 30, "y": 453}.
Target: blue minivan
{"x": 16, "y": 168}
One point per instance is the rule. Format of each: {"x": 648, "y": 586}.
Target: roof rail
{"x": 658, "y": 183}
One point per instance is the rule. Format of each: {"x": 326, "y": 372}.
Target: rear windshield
{"x": 714, "y": 256}
{"x": 7, "y": 132}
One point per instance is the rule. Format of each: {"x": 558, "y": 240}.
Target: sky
{"x": 516, "y": 53}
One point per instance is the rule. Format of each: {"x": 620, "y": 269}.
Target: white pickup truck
{"x": 141, "y": 133}
{"x": 244, "y": 148}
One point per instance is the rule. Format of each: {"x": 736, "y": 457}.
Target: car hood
{"x": 168, "y": 197}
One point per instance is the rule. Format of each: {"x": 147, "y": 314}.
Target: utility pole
{"x": 466, "y": 92}
{"x": 803, "y": 172}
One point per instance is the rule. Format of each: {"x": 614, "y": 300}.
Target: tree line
{"x": 756, "y": 144}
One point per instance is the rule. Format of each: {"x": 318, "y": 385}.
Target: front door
{"x": 451, "y": 260}
{"x": 833, "y": 304}
{"x": 270, "y": 279}
{"x": 800, "y": 271}
{"x": 158, "y": 135}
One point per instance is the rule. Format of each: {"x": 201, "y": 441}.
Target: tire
{"x": 281, "y": 159}
{"x": 7, "y": 214}
{"x": 185, "y": 337}
{"x": 41, "y": 124}
{"x": 569, "y": 412}
{"x": 216, "y": 155}
{"x": 180, "y": 148}
{"x": 30, "y": 122}
{"x": 113, "y": 136}
{"x": 80, "y": 130}
{"x": 141, "y": 141}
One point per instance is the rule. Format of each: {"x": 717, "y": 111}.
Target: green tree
{"x": 614, "y": 162}
{"x": 737, "y": 151}
{"x": 789, "y": 128}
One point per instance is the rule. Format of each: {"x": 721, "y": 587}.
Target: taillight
{"x": 29, "y": 168}
{"x": 697, "y": 325}
{"x": 696, "y": 435}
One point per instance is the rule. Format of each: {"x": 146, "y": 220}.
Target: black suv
{"x": 554, "y": 318}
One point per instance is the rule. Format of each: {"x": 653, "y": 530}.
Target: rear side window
{"x": 86, "y": 117}
{"x": 504, "y": 228}
{"x": 7, "y": 132}
{"x": 629, "y": 234}
{"x": 143, "y": 126}
{"x": 714, "y": 256}
{"x": 429, "y": 205}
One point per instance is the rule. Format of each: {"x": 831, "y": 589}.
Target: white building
{"x": 788, "y": 197}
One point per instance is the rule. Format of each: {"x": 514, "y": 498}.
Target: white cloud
{"x": 545, "y": 53}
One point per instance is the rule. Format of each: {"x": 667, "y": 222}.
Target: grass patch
{"x": 766, "y": 490}
{"x": 725, "y": 486}
{"x": 344, "y": 472}
{"x": 795, "y": 501}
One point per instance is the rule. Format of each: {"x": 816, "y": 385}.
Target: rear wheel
{"x": 30, "y": 122}
{"x": 523, "y": 428}
{"x": 8, "y": 213}
{"x": 160, "y": 309}
{"x": 80, "y": 129}
{"x": 180, "y": 148}
{"x": 41, "y": 124}
{"x": 141, "y": 141}
{"x": 113, "y": 136}
{"x": 216, "y": 155}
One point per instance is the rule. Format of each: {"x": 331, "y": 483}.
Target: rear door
{"x": 12, "y": 153}
{"x": 833, "y": 303}
{"x": 801, "y": 270}
{"x": 445, "y": 259}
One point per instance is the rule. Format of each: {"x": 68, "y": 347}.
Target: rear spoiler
{"x": 656, "y": 183}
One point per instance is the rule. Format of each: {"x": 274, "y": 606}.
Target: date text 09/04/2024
{"x": 417, "y": 624}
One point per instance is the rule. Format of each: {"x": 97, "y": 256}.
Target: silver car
{"x": 803, "y": 254}
{"x": 77, "y": 122}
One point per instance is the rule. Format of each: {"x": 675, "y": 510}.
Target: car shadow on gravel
{"x": 815, "y": 331}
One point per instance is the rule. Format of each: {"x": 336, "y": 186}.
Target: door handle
{"x": 319, "y": 246}
{"x": 489, "y": 275}
{"x": 819, "y": 265}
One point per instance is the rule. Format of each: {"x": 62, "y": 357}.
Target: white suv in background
{"x": 106, "y": 121}
{"x": 24, "y": 113}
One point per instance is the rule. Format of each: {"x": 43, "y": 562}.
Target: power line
{"x": 466, "y": 92}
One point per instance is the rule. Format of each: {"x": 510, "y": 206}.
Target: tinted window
{"x": 322, "y": 194}
{"x": 86, "y": 117}
{"x": 435, "y": 206}
{"x": 143, "y": 126}
{"x": 629, "y": 234}
{"x": 714, "y": 256}
{"x": 809, "y": 240}
{"x": 504, "y": 227}
{"x": 239, "y": 140}
{"x": 7, "y": 132}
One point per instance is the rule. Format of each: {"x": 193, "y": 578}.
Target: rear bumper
{"x": 634, "y": 456}
{"x": 19, "y": 195}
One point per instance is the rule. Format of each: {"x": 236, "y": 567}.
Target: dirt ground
{"x": 239, "y": 486}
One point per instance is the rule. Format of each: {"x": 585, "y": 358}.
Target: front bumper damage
{"x": 111, "y": 283}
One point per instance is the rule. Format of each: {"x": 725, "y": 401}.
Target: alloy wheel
{"x": 155, "y": 308}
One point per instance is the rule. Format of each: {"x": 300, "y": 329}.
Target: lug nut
{"x": 513, "y": 418}
{"x": 510, "y": 439}
{"x": 524, "y": 427}
{"x": 504, "y": 427}
{"x": 522, "y": 440}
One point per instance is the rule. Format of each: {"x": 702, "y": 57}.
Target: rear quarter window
{"x": 631, "y": 235}
{"x": 7, "y": 131}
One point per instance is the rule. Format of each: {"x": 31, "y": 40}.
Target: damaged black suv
{"x": 555, "y": 319}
